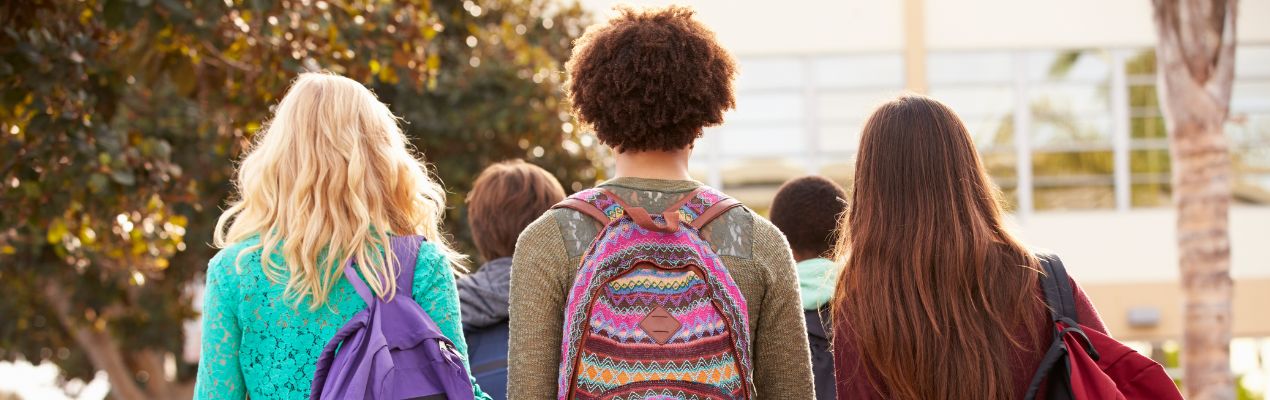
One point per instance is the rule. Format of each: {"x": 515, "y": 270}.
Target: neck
{"x": 803, "y": 255}
{"x": 667, "y": 165}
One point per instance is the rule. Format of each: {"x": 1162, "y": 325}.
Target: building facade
{"x": 1061, "y": 100}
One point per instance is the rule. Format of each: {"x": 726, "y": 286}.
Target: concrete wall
{"x": 1129, "y": 260}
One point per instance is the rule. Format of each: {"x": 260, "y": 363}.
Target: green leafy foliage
{"x": 120, "y": 121}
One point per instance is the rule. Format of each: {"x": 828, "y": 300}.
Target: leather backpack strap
{"x": 595, "y": 203}
{"x": 703, "y": 205}
{"x": 695, "y": 209}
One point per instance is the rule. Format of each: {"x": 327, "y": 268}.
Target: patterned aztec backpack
{"x": 653, "y": 313}
{"x": 392, "y": 349}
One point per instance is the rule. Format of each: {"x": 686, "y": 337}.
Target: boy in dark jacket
{"x": 505, "y": 198}
{"x": 806, "y": 210}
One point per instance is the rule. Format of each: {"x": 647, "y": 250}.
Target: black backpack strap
{"x": 1061, "y": 301}
{"x": 1057, "y": 286}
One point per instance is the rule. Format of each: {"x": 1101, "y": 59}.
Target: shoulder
{"x": 735, "y": 233}
{"x": 431, "y": 266}
{"x": 549, "y": 221}
{"x": 430, "y": 256}
{"x": 559, "y": 230}
{"x": 234, "y": 259}
{"x": 226, "y": 269}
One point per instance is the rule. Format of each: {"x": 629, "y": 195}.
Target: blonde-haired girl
{"x": 329, "y": 180}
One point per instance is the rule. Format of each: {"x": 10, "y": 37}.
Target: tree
{"x": 1195, "y": 53}
{"x": 120, "y": 121}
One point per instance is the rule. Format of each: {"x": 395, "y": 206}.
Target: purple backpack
{"x": 392, "y": 349}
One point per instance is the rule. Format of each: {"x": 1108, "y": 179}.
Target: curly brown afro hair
{"x": 806, "y": 210}
{"x": 650, "y": 79}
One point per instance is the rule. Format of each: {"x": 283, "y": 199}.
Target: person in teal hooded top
{"x": 806, "y": 210}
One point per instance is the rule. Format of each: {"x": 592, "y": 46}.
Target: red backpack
{"x": 1083, "y": 363}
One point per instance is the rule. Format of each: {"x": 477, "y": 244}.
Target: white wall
{"x": 1140, "y": 245}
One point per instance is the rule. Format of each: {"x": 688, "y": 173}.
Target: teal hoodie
{"x": 816, "y": 278}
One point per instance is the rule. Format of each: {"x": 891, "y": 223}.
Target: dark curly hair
{"x": 650, "y": 79}
{"x": 807, "y": 211}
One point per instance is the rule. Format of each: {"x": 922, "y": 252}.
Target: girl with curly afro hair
{"x": 647, "y": 82}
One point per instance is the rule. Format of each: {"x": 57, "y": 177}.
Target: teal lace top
{"x": 257, "y": 343}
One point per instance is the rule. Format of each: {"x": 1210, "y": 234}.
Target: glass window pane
{"x": 776, "y": 140}
{"x": 1248, "y": 129}
{"x": 1064, "y": 130}
{"x": 1001, "y": 164}
{"x": 1250, "y": 95}
{"x": 1072, "y": 164}
{"x": 841, "y": 105}
{"x": 1250, "y": 156}
{"x": 1073, "y": 180}
{"x": 769, "y": 73}
{"x": 1153, "y": 194}
{"x": 1144, "y": 101}
{"x": 766, "y": 108}
{"x": 969, "y": 67}
{"x": 991, "y": 132}
{"x": 988, "y": 111}
{"x": 1071, "y": 98}
{"x": 1068, "y": 66}
{"x": 1149, "y": 164}
{"x": 840, "y": 137}
{"x": 1075, "y": 197}
{"x": 880, "y": 70}
{"x": 1252, "y": 61}
{"x": 1147, "y": 128}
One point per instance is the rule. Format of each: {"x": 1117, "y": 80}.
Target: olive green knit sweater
{"x": 755, "y": 253}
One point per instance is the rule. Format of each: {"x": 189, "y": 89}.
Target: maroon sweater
{"x": 852, "y": 383}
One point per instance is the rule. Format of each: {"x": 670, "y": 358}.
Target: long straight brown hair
{"x": 934, "y": 290}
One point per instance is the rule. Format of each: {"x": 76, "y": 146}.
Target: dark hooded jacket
{"x": 483, "y": 299}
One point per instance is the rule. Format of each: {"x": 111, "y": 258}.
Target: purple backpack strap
{"x": 406, "y": 248}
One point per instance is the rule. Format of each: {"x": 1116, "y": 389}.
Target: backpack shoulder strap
{"x": 1060, "y": 300}
{"x": 1059, "y": 296}
{"x": 703, "y": 205}
{"x": 406, "y": 248}
{"x": 596, "y": 203}
{"x": 697, "y": 208}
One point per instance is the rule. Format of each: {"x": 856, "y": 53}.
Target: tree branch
{"x": 1220, "y": 86}
{"x": 151, "y": 362}
{"x": 100, "y": 346}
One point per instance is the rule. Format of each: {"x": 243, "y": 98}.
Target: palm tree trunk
{"x": 1196, "y": 56}
{"x": 1201, "y": 189}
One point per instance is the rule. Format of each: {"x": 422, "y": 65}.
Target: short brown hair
{"x": 505, "y": 198}
{"x": 650, "y": 79}
{"x": 806, "y": 210}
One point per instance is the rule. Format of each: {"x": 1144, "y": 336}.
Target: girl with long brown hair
{"x": 937, "y": 300}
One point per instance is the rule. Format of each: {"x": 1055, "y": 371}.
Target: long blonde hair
{"x": 328, "y": 180}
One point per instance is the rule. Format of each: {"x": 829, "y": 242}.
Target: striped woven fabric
{"x": 654, "y": 315}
